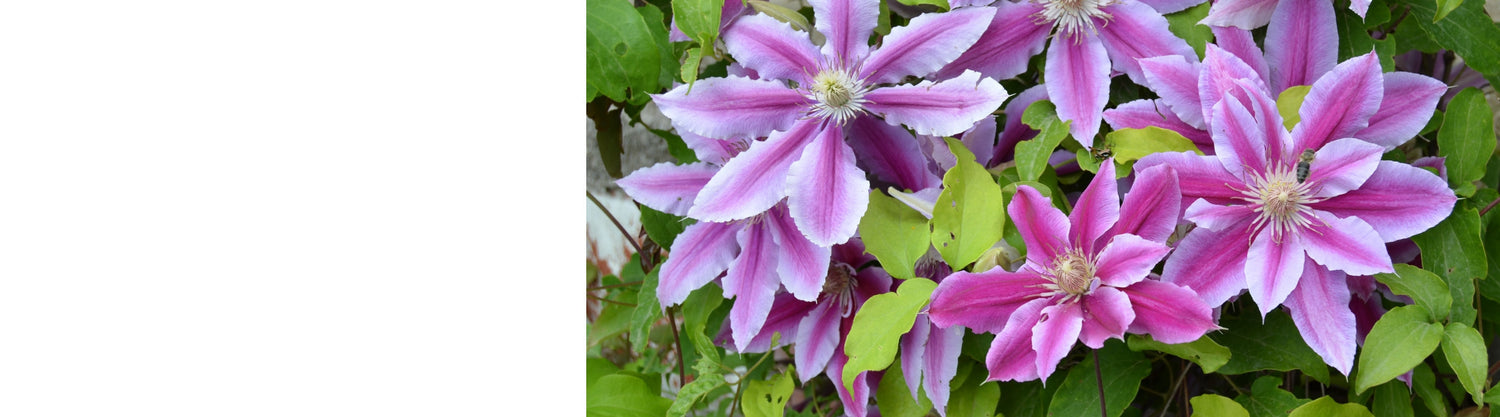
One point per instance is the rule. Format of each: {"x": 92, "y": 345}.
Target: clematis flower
{"x": 809, "y": 101}
{"x": 1251, "y": 14}
{"x": 1085, "y": 278}
{"x": 818, "y": 328}
{"x": 1092, "y": 37}
{"x": 1288, "y": 237}
{"x": 1304, "y": 31}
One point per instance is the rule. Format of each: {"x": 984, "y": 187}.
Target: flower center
{"x": 838, "y": 93}
{"x": 839, "y": 286}
{"x": 1073, "y": 272}
{"x": 1072, "y": 16}
{"x": 1280, "y": 200}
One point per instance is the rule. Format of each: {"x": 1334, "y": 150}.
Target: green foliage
{"x": 1029, "y": 399}
{"x": 1031, "y": 155}
{"x": 699, "y": 19}
{"x": 697, "y": 310}
{"x": 1466, "y": 30}
{"x": 1392, "y": 399}
{"x": 1467, "y": 139}
{"x": 690, "y": 64}
{"x": 940, "y": 4}
{"x": 1464, "y": 348}
{"x": 1185, "y": 25}
{"x": 1289, "y": 102}
{"x": 1354, "y": 39}
{"x": 895, "y": 399}
{"x": 1130, "y": 145}
{"x": 1444, "y": 7}
{"x": 1400, "y": 340}
{"x": 1454, "y": 251}
{"x": 970, "y": 213}
{"x": 1427, "y": 290}
{"x": 623, "y": 55}
{"x": 781, "y": 13}
{"x": 875, "y": 335}
{"x": 623, "y": 395}
{"x": 709, "y": 378}
{"x": 895, "y": 234}
{"x": 1327, "y": 407}
{"x": 1267, "y": 399}
{"x": 1217, "y": 405}
{"x": 768, "y": 398}
{"x": 663, "y": 228}
{"x": 1205, "y": 352}
{"x": 647, "y": 312}
{"x": 1274, "y": 345}
{"x": 1424, "y": 383}
{"x": 1122, "y": 371}
{"x": 976, "y": 398}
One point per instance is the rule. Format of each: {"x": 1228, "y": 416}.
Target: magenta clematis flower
{"x": 1093, "y": 36}
{"x": 1251, "y": 14}
{"x": 1290, "y": 237}
{"x": 1084, "y": 278}
{"x": 810, "y": 101}
{"x": 1304, "y": 31}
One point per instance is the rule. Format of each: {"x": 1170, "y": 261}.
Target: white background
{"x": 290, "y": 208}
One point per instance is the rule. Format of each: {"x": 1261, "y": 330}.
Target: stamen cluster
{"x": 1072, "y": 16}
{"x": 838, "y": 95}
{"x": 1280, "y": 201}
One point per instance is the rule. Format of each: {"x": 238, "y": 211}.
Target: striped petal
{"x": 752, "y": 282}
{"x": 1339, "y": 104}
{"x": 772, "y": 48}
{"x": 699, "y": 254}
{"x": 926, "y": 44}
{"x": 732, "y": 107}
{"x": 1243, "y": 14}
{"x": 1306, "y": 43}
{"x": 1007, "y": 44}
{"x": 982, "y": 301}
{"x": 1169, "y": 313}
{"x": 890, "y": 153}
{"x": 1078, "y": 83}
{"x": 1107, "y": 314}
{"x": 755, "y": 180}
{"x": 1320, "y": 309}
{"x": 938, "y": 109}
{"x": 846, "y": 26}
{"x": 802, "y": 264}
{"x": 1042, "y": 226}
{"x": 667, "y": 187}
{"x": 1273, "y": 267}
{"x": 826, "y": 192}
{"x": 1398, "y": 200}
{"x": 1404, "y": 109}
{"x": 1136, "y": 31}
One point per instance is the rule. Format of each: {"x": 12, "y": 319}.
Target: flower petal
{"x": 667, "y": 187}
{"x": 1078, "y": 83}
{"x": 802, "y": 264}
{"x": 1107, "y": 313}
{"x": 699, "y": 254}
{"x": 1216, "y": 217}
{"x": 1398, "y": 200}
{"x": 1404, "y": 109}
{"x": 826, "y": 192}
{"x": 755, "y": 180}
{"x": 1096, "y": 211}
{"x": 942, "y": 109}
{"x": 1042, "y": 226}
{"x": 786, "y": 313}
{"x": 752, "y": 282}
{"x": 1342, "y": 165}
{"x": 1006, "y": 46}
{"x": 772, "y": 48}
{"x": 1198, "y": 176}
{"x": 1151, "y": 207}
{"x": 1239, "y": 141}
{"x": 1055, "y": 335}
{"x": 1243, "y": 14}
{"x": 940, "y": 364}
{"x": 1127, "y": 259}
{"x": 817, "y": 337}
{"x": 713, "y": 151}
{"x": 1015, "y": 131}
{"x": 732, "y": 107}
{"x": 1136, "y": 31}
{"x": 982, "y": 301}
{"x": 1320, "y": 309}
{"x": 1306, "y": 43}
{"x": 846, "y": 25}
{"x": 1273, "y": 267}
{"x": 890, "y": 153}
{"x": 1217, "y": 80}
{"x": 914, "y": 352}
{"x": 1210, "y": 263}
{"x": 1339, "y": 104}
{"x": 857, "y": 401}
{"x": 927, "y": 43}
{"x": 1011, "y": 357}
{"x": 1175, "y": 79}
{"x": 1141, "y": 113}
{"x": 1239, "y": 43}
{"x": 1171, "y": 6}
{"x": 1346, "y": 244}
{"x": 1169, "y": 313}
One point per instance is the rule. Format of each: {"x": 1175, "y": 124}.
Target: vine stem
{"x": 681, "y": 362}
{"x": 625, "y": 284}
{"x": 611, "y": 216}
{"x": 610, "y": 301}
{"x": 1099, "y": 378}
{"x": 1486, "y": 209}
{"x": 1172, "y": 393}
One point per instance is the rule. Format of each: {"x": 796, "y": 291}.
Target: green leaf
{"x": 1385, "y": 49}
{"x": 598, "y": 368}
{"x": 1400, "y": 340}
{"x": 613, "y": 319}
{"x": 663, "y": 228}
{"x": 1130, "y": 145}
{"x": 895, "y": 399}
{"x": 622, "y": 52}
{"x": 622, "y": 395}
{"x": 1217, "y": 405}
{"x": 1453, "y": 250}
{"x": 1122, "y": 371}
{"x": 1392, "y": 399}
{"x": 768, "y": 398}
{"x": 697, "y": 310}
{"x": 1028, "y": 399}
{"x": 690, "y": 66}
{"x": 941, "y": 4}
{"x": 1444, "y": 7}
{"x": 976, "y": 398}
{"x": 1467, "y": 30}
{"x": 778, "y": 12}
{"x": 895, "y": 234}
{"x": 1267, "y": 399}
{"x": 1289, "y": 102}
{"x": 709, "y": 378}
{"x": 608, "y": 134}
{"x": 1424, "y": 383}
{"x": 1428, "y": 290}
{"x": 1467, "y": 138}
{"x": 1354, "y": 39}
{"x": 1205, "y": 352}
{"x": 1275, "y": 345}
{"x": 656, "y": 24}
{"x": 675, "y": 145}
{"x": 1185, "y": 25}
{"x": 699, "y": 19}
{"x": 1031, "y": 155}
{"x": 878, "y": 326}
{"x": 970, "y": 213}
{"x": 647, "y": 312}
{"x": 1464, "y": 348}
{"x": 1327, "y": 407}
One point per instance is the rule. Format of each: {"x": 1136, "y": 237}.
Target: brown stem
{"x": 1486, "y": 209}
{"x": 1099, "y": 379}
{"x": 681, "y": 361}
{"x": 610, "y": 301}
{"x": 611, "y": 216}
{"x": 605, "y": 287}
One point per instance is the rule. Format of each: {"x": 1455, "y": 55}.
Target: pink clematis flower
{"x": 1289, "y": 232}
{"x": 1093, "y": 36}
{"x": 1251, "y": 14}
{"x": 1307, "y": 49}
{"x": 1085, "y": 278}
{"x": 810, "y": 101}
